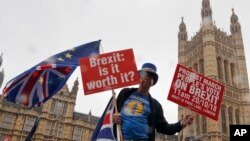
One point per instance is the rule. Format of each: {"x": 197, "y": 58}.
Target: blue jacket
{"x": 156, "y": 120}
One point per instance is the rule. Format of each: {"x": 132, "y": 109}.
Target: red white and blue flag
{"x": 36, "y": 85}
{"x": 104, "y": 127}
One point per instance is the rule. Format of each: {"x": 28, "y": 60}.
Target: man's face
{"x": 146, "y": 79}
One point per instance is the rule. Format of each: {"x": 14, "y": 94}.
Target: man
{"x": 140, "y": 114}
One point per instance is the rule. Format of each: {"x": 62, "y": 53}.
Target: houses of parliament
{"x": 219, "y": 56}
{"x": 211, "y": 52}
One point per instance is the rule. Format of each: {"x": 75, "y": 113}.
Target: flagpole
{"x": 118, "y": 126}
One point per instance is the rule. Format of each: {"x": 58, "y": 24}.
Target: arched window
{"x": 226, "y": 70}
{"x": 237, "y": 116}
{"x": 77, "y": 134}
{"x": 232, "y": 67}
{"x": 204, "y": 125}
{"x": 201, "y": 65}
{"x": 223, "y": 119}
{"x": 230, "y": 115}
{"x": 7, "y": 121}
{"x": 65, "y": 108}
{"x": 197, "y": 124}
{"x": 58, "y": 108}
{"x": 52, "y": 107}
{"x": 219, "y": 67}
{"x": 196, "y": 67}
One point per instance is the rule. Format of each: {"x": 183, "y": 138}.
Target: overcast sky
{"x": 33, "y": 30}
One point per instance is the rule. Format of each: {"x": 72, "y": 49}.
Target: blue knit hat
{"x": 151, "y": 69}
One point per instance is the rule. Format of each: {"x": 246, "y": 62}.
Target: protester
{"x": 140, "y": 114}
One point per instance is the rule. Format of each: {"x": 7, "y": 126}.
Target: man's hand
{"x": 187, "y": 120}
{"x": 117, "y": 118}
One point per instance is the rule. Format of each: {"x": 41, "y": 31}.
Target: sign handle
{"x": 118, "y": 127}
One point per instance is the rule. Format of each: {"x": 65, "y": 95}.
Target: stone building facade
{"x": 219, "y": 56}
{"x": 58, "y": 121}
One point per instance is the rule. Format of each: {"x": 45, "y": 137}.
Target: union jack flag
{"x": 104, "y": 127}
{"x": 36, "y": 85}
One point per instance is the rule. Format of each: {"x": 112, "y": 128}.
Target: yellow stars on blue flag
{"x": 60, "y": 59}
{"x": 68, "y": 55}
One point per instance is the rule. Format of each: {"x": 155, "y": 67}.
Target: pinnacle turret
{"x": 1, "y": 72}
{"x": 235, "y": 25}
{"x": 74, "y": 89}
{"x": 206, "y": 13}
{"x": 182, "y": 35}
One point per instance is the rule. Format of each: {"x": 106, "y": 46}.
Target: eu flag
{"x": 36, "y": 85}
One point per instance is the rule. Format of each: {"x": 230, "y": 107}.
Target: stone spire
{"x": 1, "y": 59}
{"x": 74, "y": 89}
{"x": 182, "y": 35}
{"x": 1, "y": 72}
{"x": 235, "y": 25}
{"x": 89, "y": 116}
{"x": 182, "y": 41}
{"x": 206, "y": 13}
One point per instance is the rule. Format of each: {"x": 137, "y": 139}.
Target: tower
{"x": 219, "y": 56}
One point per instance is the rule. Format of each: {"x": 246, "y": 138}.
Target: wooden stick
{"x": 116, "y": 111}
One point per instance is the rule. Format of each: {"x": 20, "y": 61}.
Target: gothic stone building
{"x": 219, "y": 56}
{"x": 58, "y": 121}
